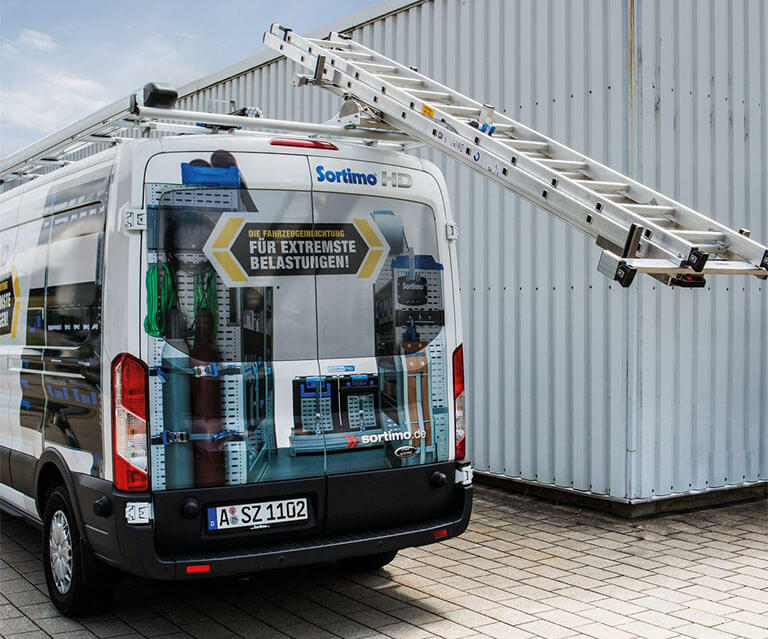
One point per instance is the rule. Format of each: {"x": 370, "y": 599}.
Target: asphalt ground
{"x": 524, "y": 568}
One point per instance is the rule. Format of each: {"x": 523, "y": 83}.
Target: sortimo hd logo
{"x": 394, "y": 179}
{"x": 347, "y": 176}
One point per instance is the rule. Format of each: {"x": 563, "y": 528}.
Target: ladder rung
{"x": 23, "y": 176}
{"x": 603, "y": 186}
{"x": 330, "y": 44}
{"x": 650, "y": 210}
{"x": 51, "y": 162}
{"x": 713, "y": 267}
{"x": 500, "y": 128}
{"x": 705, "y": 237}
{"x": 456, "y": 109}
{"x": 401, "y": 80}
{"x": 376, "y": 67}
{"x": 356, "y": 55}
{"x": 554, "y": 163}
{"x": 526, "y": 145}
{"x": 571, "y": 175}
{"x": 432, "y": 96}
{"x": 103, "y": 139}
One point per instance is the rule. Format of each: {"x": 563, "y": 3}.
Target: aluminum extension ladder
{"x": 638, "y": 229}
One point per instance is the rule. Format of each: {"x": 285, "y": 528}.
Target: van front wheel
{"x": 77, "y": 582}
{"x": 367, "y": 563}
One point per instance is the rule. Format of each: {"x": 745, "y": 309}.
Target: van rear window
{"x": 292, "y": 335}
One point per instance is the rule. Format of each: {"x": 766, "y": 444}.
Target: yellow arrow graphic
{"x": 17, "y": 302}
{"x": 377, "y": 251}
{"x": 230, "y": 265}
{"x": 224, "y": 243}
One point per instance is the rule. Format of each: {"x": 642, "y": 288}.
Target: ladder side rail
{"x": 491, "y": 156}
{"x": 590, "y": 221}
{"x": 52, "y": 145}
{"x": 683, "y": 215}
{"x": 56, "y": 157}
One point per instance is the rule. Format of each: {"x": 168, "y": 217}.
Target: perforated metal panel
{"x": 227, "y": 338}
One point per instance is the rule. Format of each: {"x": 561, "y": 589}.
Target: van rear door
{"x": 382, "y": 347}
{"x": 232, "y": 339}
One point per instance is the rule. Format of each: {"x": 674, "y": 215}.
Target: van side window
{"x": 73, "y": 313}
{"x": 58, "y": 269}
{"x": 73, "y": 291}
{"x": 73, "y": 327}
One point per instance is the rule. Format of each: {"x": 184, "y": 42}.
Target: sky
{"x": 62, "y": 60}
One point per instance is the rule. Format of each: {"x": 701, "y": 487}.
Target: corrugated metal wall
{"x": 574, "y": 382}
{"x": 702, "y": 131}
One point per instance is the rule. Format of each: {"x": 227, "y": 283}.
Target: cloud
{"x": 31, "y": 39}
{"x": 48, "y": 100}
{"x": 42, "y": 93}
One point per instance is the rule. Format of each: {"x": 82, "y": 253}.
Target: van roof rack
{"x": 138, "y": 116}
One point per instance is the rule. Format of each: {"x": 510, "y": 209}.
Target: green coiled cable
{"x": 161, "y": 296}
{"x": 205, "y": 295}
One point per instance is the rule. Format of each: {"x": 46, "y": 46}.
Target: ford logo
{"x": 406, "y": 451}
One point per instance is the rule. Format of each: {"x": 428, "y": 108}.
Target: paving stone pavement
{"x": 524, "y": 568}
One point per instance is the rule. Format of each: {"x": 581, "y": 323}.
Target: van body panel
{"x": 50, "y": 326}
{"x": 123, "y": 258}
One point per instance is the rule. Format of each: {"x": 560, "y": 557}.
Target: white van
{"x": 222, "y": 354}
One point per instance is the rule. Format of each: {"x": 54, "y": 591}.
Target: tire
{"x": 367, "y": 563}
{"x": 77, "y": 582}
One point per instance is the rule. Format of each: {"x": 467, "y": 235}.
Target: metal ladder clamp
{"x": 639, "y": 229}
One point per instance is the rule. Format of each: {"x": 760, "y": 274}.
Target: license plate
{"x": 258, "y": 515}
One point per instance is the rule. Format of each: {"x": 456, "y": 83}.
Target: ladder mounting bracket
{"x": 614, "y": 267}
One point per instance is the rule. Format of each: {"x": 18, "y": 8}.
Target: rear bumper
{"x": 140, "y": 557}
{"x": 135, "y": 548}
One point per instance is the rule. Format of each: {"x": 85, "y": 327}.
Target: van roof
{"x": 255, "y": 142}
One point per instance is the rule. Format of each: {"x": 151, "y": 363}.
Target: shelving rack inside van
{"x": 638, "y": 229}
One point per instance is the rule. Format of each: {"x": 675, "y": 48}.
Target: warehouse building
{"x": 632, "y": 396}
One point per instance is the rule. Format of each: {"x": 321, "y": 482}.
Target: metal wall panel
{"x": 701, "y": 72}
{"x": 574, "y": 382}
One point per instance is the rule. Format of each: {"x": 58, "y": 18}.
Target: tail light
{"x": 129, "y": 424}
{"x": 458, "y": 402}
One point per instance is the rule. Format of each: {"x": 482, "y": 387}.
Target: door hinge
{"x": 452, "y": 230}
{"x": 464, "y": 475}
{"x": 138, "y": 512}
{"x": 134, "y": 219}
